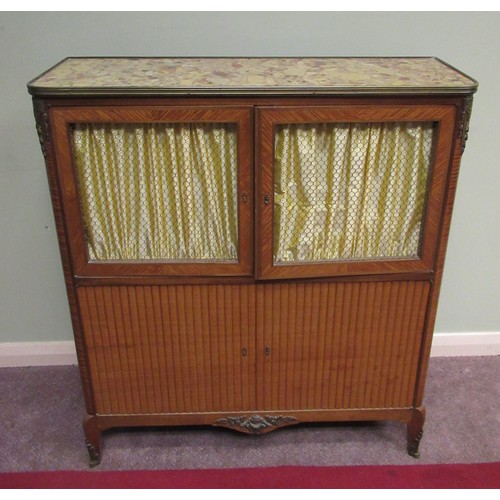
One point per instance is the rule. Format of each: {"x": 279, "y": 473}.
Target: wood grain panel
{"x": 341, "y": 345}
{"x": 170, "y": 349}
{"x": 272, "y": 346}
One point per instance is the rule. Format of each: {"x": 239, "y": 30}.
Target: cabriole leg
{"x": 92, "y": 439}
{"x": 415, "y": 430}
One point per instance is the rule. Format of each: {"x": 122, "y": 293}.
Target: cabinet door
{"x": 169, "y": 349}
{"x": 156, "y": 190}
{"x": 351, "y": 189}
{"x": 339, "y": 345}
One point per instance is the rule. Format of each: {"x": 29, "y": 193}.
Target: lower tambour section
{"x": 240, "y": 348}
{"x": 341, "y": 346}
{"x": 164, "y": 349}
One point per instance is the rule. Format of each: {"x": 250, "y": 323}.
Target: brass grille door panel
{"x": 337, "y": 193}
{"x": 158, "y": 191}
{"x": 351, "y": 191}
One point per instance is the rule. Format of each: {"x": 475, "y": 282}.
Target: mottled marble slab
{"x": 130, "y": 75}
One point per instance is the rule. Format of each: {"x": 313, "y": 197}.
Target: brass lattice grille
{"x": 158, "y": 191}
{"x": 350, "y": 191}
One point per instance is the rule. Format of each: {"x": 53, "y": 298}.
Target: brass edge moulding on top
{"x": 242, "y": 91}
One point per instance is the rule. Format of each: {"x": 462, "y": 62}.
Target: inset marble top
{"x": 251, "y": 75}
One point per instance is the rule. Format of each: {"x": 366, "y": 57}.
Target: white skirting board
{"x": 64, "y": 353}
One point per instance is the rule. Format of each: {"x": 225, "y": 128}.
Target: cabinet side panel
{"x": 169, "y": 349}
{"x": 348, "y": 345}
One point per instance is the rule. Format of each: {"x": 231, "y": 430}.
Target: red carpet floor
{"x": 463, "y": 476}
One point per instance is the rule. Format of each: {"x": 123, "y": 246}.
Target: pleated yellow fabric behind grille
{"x": 350, "y": 191}
{"x": 158, "y": 191}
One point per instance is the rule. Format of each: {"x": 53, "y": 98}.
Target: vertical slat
{"x": 200, "y": 359}
{"x": 290, "y": 339}
{"x": 121, "y": 297}
{"x": 234, "y": 351}
{"x": 300, "y": 379}
{"x": 374, "y": 343}
{"x": 414, "y": 341}
{"x": 214, "y": 350}
{"x": 228, "y": 357}
{"x": 210, "y": 382}
{"x": 113, "y": 306}
{"x": 336, "y": 375}
{"x": 344, "y": 369}
{"x": 352, "y": 319}
{"x": 135, "y": 329}
{"x": 267, "y": 313}
{"x": 109, "y": 368}
{"x": 386, "y": 338}
{"x": 405, "y": 332}
{"x": 175, "y": 347}
{"x": 160, "y": 349}
{"x": 322, "y": 350}
{"x": 253, "y": 343}
{"x": 365, "y": 344}
{"x": 245, "y": 344}
{"x": 330, "y": 334}
{"x": 155, "y": 345}
{"x": 191, "y": 353}
{"x": 275, "y": 355}
{"x": 395, "y": 351}
{"x": 360, "y": 350}
{"x": 95, "y": 353}
{"x": 220, "y": 341}
{"x": 418, "y": 341}
{"x": 311, "y": 354}
{"x": 185, "y": 354}
{"x": 284, "y": 337}
{"x": 173, "y": 379}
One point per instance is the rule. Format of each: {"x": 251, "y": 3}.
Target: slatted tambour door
{"x": 224, "y": 348}
{"x": 170, "y": 349}
{"x": 341, "y": 345}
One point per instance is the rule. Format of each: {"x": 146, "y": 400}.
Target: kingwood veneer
{"x": 252, "y": 243}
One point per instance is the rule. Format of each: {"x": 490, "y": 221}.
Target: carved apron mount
{"x": 256, "y": 424}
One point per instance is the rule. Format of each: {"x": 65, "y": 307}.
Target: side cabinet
{"x": 252, "y": 255}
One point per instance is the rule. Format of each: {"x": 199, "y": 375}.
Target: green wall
{"x": 33, "y": 304}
